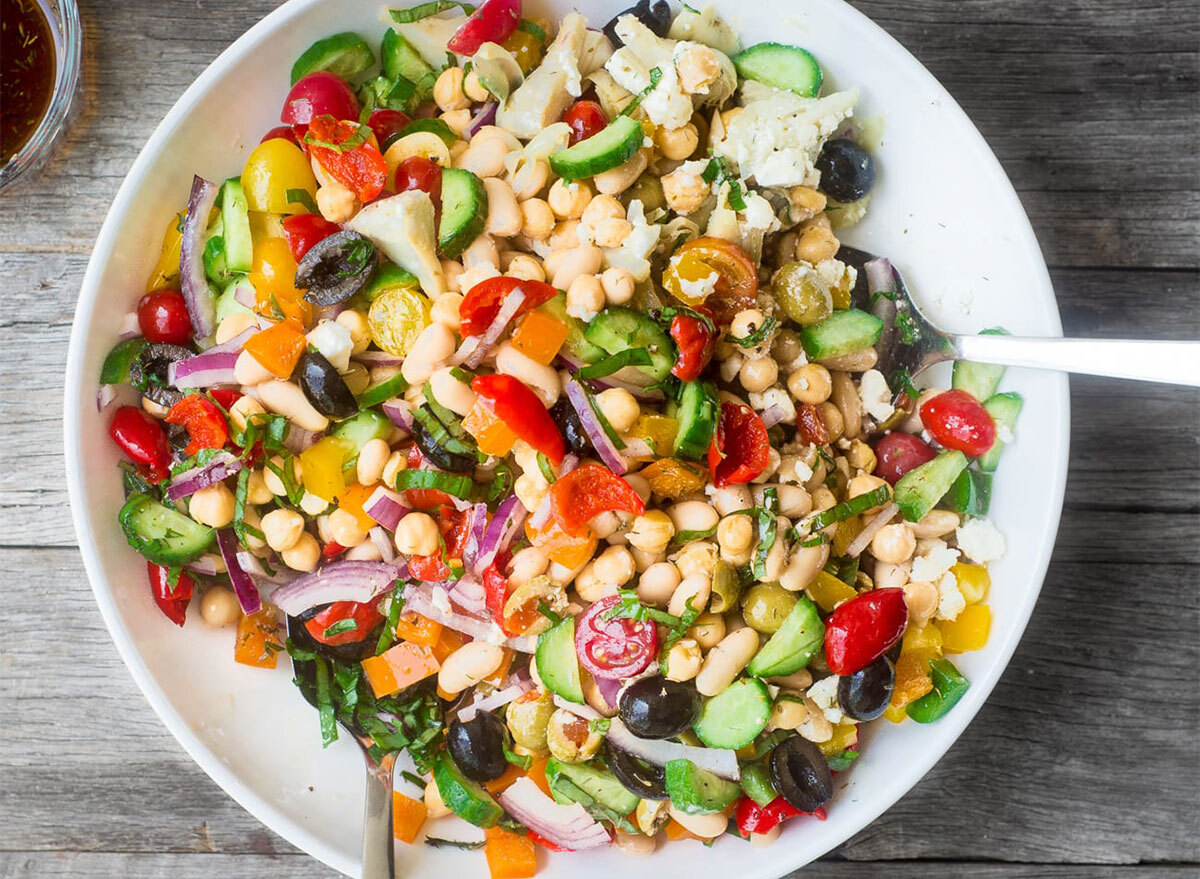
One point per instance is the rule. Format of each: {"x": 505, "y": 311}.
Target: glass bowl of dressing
{"x": 40, "y": 54}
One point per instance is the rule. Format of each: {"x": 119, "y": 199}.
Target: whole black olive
{"x": 439, "y": 455}
{"x": 477, "y": 746}
{"x": 860, "y": 293}
{"x": 325, "y": 387}
{"x": 656, "y": 17}
{"x": 656, "y": 708}
{"x": 866, "y": 693}
{"x": 148, "y": 373}
{"x": 336, "y": 268}
{"x": 800, "y": 774}
{"x": 570, "y": 426}
{"x": 638, "y": 777}
{"x": 847, "y": 170}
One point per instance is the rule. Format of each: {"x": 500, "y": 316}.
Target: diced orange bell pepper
{"x": 974, "y": 581}
{"x": 408, "y": 817}
{"x": 537, "y": 774}
{"x": 352, "y": 498}
{"x": 912, "y": 677}
{"x": 672, "y": 478}
{"x": 969, "y": 631}
{"x": 273, "y": 275}
{"x": 674, "y": 830}
{"x": 509, "y": 855}
{"x": 565, "y": 549}
{"x": 418, "y": 629}
{"x": 828, "y": 591}
{"x": 277, "y": 348}
{"x": 399, "y": 667}
{"x": 497, "y": 677}
{"x": 321, "y": 467}
{"x": 492, "y": 435}
{"x": 539, "y": 337}
{"x": 511, "y": 774}
{"x": 448, "y": 641}
{"x": 254, "y": 633}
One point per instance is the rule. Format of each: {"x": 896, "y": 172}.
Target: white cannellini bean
{"x": 725, "y": 661}
{"x": 286, "y": 398}
{"x": 704, "y": 826}
{"x": 693, "y": 516}
{"x": 455, "y": 395}
{"x": 696, "y": 589}
{"x": 658, "y": 583}
{"x": 542, "y": 380}
{"x": 248, "y": 372}
{"x": 582, "y": 260}
{"x": 504, "y": 218}
{"x": 468, "y": 665}
{"x": 434, "y": 345}
{"x": 372, "y": 458}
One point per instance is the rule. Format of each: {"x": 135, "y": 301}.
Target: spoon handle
{"x": 379, "y": 859}
{"x": 1176, "y": 363}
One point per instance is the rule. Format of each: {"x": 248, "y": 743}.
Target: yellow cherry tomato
{"x": 321, "y": 467}
{"x": 273, "y": 275}
{"x": 274, "y": 167}
{"x": 397, "y": 317}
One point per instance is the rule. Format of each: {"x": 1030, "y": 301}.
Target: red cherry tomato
{"x": 897, "y": 453}
{"x": 482, "y": 302}
{"x": 206, "y": 425}
{"x": 740, "y": 450}
{"x": 387, "y": 125}
{"x": 143, "y": 440}
{"x": 616, "y": 648}
{"x": 753, "y": 818}
{"x": 810, "y": 424}
{"x": 363, "y": 616}
{"x": 319, "y": 94}
{"x": 361, "y": 169}
{"x": 588, "y": 491}
{"x": 286, "y": 132}
{"x": 958, "y": 421}
{"x": 428, "y": 568}
{"x": 521, "y": 409}
{"x": 585, "y": 118}
{"x": 225, "y": 397}
{"x": 418, "y": 172}
{"x": 695, "y": 342}
{"x": 493, "y": 22}
{"x": 863, "y": 629}
{"x": 163, "y": 317}
{"x": 302, "y": 231}
{"x": 172, "y": 602}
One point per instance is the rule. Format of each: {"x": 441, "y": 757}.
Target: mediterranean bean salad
{"x": 523, "y": 370}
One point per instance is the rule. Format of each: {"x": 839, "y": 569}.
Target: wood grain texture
{"x": 1084, "y": 761}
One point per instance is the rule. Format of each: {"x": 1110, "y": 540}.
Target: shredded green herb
{"x": 615, "y": 363}
{"x": 768, "y": 524}
{"x": 841, "y": 761}
{"x": 301, "y": 197}
{"x": 360, "y": 136}
{"x": 757, "y": 337}
{"x": 426, "y": 10}
{"x": 533, "y": 29}
{"x": 465, "y": 845}
{"x": 655, "y": 79}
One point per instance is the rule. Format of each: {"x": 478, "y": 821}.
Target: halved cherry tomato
{"x": 172, "y": 602}
{"x": 493, "y": 22}
{"x": 810, "y": 424}
{"x": 419, "y": 172}
{"x": 206, "y": 426}
{"x": 737, "y": 277}
{"x": 332, "y": 550}
{"x": 360, "y": 168}
{"x": 143, "y": 440}
{"x": 753, "y": 818}
{"x": 163, "y": 317}
{"x": 614, "y": 648}
{"x": 294, "y": 133}
{"x": 586, "y": 492}
{"x": 428, "y": 568}
{"x": 863, "y": 629}
{"x": 585, "y": 118}
{"x": 899, "y": 452}
{"x": 387, "y": 124}
{"x": 482, "y": 302}
{"x": 740, "y": 450}
{"x": 958, "y": 421}
{"x": 513, "y": 403}
{"x": 695, "y": 342}
{"x": 319, "y": 94}
{"x": 302, "y": 231}
{"x": 364, "y": 616}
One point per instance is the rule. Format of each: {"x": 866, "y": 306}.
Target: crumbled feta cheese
{"x": 933, "y": 561}
{"x": 824, "y": 694}
{"x": 980, "y": 541}
{"x": 950, "y": 598}
{"x": 440, "y": 599}
{"x": 312, "y": 504}
{"x": 495, "y": 635}
{"x": 775, "y": 397}
{"x": 759, "y": 214}
{"x": 566, "y": 60}
{"x": 334, "y": 342}
{"x": 634, "y": 253}
{"x": 876, "y": 396}
{"x": 699, "y": 289}
{"x": 793, "y": 469}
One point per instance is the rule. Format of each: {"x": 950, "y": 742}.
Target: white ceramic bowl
{"x": 942, "y": 210}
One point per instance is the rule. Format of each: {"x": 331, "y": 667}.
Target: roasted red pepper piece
{"x": 428, "y": 568}
{"x": 520, "y": 408}
{"x": 365, "y": 618}
{"x": 174, "y": 602}
{"x": 302, "y": 231}
{"x": 740, "y": 450}
{"x": 811, "y": 424}
{"x": 360, "y": 168}
{"x": 143, "y": 440}
{"x": 863, "y": 629}
{"x": 205, "y": 425}
{"x": 695, "y": 342}
{"x": 753, "y": 818}
{"x": 482, "y": 302}
{"x": 495, "y": 589}
{"x": 588, "y": 491}
{"x": 958, "y": 421}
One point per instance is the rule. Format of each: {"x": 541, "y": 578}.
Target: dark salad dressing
{"x": 27, "y": 70}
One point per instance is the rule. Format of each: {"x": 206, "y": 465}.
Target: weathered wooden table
{"x": 1085, "y": 763}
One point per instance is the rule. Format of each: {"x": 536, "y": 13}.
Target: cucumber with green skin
{"x": 402, "y": 61}
{"x": 618, "y": 329}
{"x": 980, "y": 380}
{"x": 919, "y": 490}
{"x": 557, "y": 663}
{"x": 382, "y": 392}
{"x": 227, "y": 303}
{"x": 576, "y": 345}
{"x": 782, "y": 67}
{"x": 609, "y": 148}
{"x": 971, "y": 493}
{"x": 389, "y": 277}
{"x": 794, "y": 644}
{"x": 697, "y": 414}
{"x": 696, "y": 791}
{"x": 734, "y": 717}
{"x": 161, "y": 534}
{"x": 115, "y": 370}
{"x": 346, "y": 55}
{"x": 1004, "y": 409}
{"x": 464, "y": 211}
{"x": 235, "y": 220}
{"x": 843, "y": 332}
{"x": 465, "y": 798}
{"x": 597, "y": 783}
{"x": 358, "y": 430}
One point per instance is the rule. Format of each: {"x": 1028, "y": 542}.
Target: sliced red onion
{"x": 235, "y": 344}
{"x": 378, "y": 358}
{"x": 386, "y": 507}
{"x": 221, "y": 467}
{"x": 244, "y": 295}
{"x": 298, "y": 438}
{"x": 468, "y": 594}
{"x": 130, "y": 327}
{"x": 475, "y": 535}
{"x": 383, "y": 543}
{"x": 359, "y": 581}
{"x": 243, "y": 586}
{"x": 253, "y": 566}
{"x": 658, "y": 751}
{"x": 485, "y": 116}
{"x": 859, "y": 543}
{"x": 399, "y": 411}
{"x": 772, "y": 415}
{"x": 591, "y": 426}
{"x": 637, "y": 448}
{"x": 609, "y": 689}
{"x": 495, "y": 700}
{"x": 203, "y": 370}
{"x": 643, "y": 394}
{"x": 419, "y": 599}
{"x": 474, "y": 348}
{"x": 881, "y": 275}
{"x": 500, "y": 532}
{"x": 210, "y": 565}
{"x": 106, "y": 395}
{"x": 196, "y": 290}
{"x": 569, "y": 827}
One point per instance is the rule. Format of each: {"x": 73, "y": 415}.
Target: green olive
{"x": 648, "y": 189}
{"x": 726, "y": 587}
{"x": 528, "y": 717}
{"x": 766, "y": 605}
{"x": 802, "y": 294}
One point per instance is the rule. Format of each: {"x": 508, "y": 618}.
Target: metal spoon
{"x": 378, "y": 856}
{"x": 911, "y": 342}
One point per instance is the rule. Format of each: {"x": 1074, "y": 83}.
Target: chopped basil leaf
{"x": 533, "y": 29}
{"x": 451, "y": 483}
{"x": 340, "y": 628}
{"x": 841, "y": 761}
{"x": 655, "y": 78}
{"x": 426, "y": 10}
{"x": 615, "y": 363}
{"x": 755, "y": 338}
{"x": 437, "y": 842}
{"x": 546, "y": 467}
{"x": 301, "y": 197}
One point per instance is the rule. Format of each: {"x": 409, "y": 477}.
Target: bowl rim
{"x": 950, "y": 728}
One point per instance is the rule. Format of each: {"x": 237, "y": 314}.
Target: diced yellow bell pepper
{"x": 321, "y": 465}
{"x": 492, "y": 435}
{"x": 166, "y": 271}
{"x": 658, "y": 430}
{"x": 969, "y": 631}
{"x": 844, "y": 735}
{"x": 539, "y": 337}
{"x": 896, "y": 713}
{"x": 847, "y": 530}
{"x": 973, "y": 581}
{"x": 828, "y": 591}
{"x": 927, "y": 637}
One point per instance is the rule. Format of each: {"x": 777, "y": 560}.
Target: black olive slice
{"x": 336, "y": 268}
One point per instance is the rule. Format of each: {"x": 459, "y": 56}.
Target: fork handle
{"x": 1176, "y": 363}
{"x": 379, "y": 857}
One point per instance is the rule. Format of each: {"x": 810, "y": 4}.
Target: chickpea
{"x": 683, "y": 660}
{"x": 601, "y": 208}
{"x": 735, "y": 534}
{"x": 564, "y": 237}
{"x": 677, "y": 144}
{"x": 212, "y": 506}
{"x": 530, "y": 178}
{"x": 537, "y": 219}
{"x": 611, "y": 233}
{"x": 303, "y": 555}
{"x": 528, "y": 563}
{"x": 448, "y": 90}
{"x": 861, "y": 456}
{"x": 888, "y": 575}
{"x": 504, "y": 214}
{"x": 684, "y": 192}
{"x": 817, "y": 242}
{"x": 893, "y": 543}
{"x": 417, "y": 534}
{"x": 455, "y": 395}
{"x": 452, "y": 272}
{"x": 219, "y": 607}
{"x": 758, "y": 374}
{"x": 810, "y": 384}
{"x": 615, "y": 565}
{"x": 569, "y": 199}
{"x": 619, "y": 407}
{"x": 445, "y": 310}
{"x": 366, "y": 551}
{"x": 474, "y": 89}
{"x": 834, "y": 423}
{"x": 708, "y": 630}
{"x": 618, "y": 285}
{"x": 922, "y": 600}
{"x": 692, "y": 593}
{"x": 256, "y": 489}
{"x": 345, "y": 528}
{"x": 531, "y": 489}
{"x": 658, "y": 583}
{"x": 806, "y": 202}
{"x": 731, "y": 499}
{"x": 745, "y": 322}
{"x": 525, "y": 267}
{"x": 282, "y": 528}
{"x": 585, "y": 298}
{"x": 336, "y": 203}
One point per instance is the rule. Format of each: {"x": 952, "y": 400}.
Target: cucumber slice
{"x": 696, "y": 791}
{"x": 734, "y": 717}
{"x": 346, "y": 54}
{"x": 793, "y": 645}
{"x": 922, "y": 487}
{"x": 385, "y": 390}
{"x": 841, "y": 333}
{"x": 235, "y": 219}
{"x": 598, "y": 784}
{"x": 1004, "y": 409}
{"x": 610, "y": 148}
{"x": 971, "y": 493}
{"x": 576, "y": 346}
{"x": 980, "y": 380}
{"x": 697, "y": 414}
{"x": 464, "y": 211}
{"x": 465, "y": 798}
{"x": 757, "y": 785}
{"x": 619, "y": 328}
{"x": 557, "y": 664}
{"x": 389, "y": 277}
{"x": 402, "y": 61}
{"x": 227, "y": 303}
{"x": 115, "y": 370}
{"x": 782, "y": 67}
{"x": 358, "y": 430}
{"x": 162, "y": 535}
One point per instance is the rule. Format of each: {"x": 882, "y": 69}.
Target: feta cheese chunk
{"x": 950, "y": 598}
{"x": 980, "y": 541}
{"x": 333, "y": 341}
{"x": 876, "y": 396}
{"x": 824, "y": 694}
{"x": 933, "y": 561}
{"x": 634, "y": 253}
